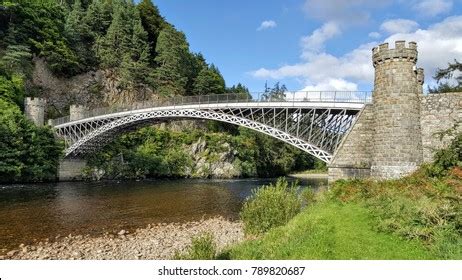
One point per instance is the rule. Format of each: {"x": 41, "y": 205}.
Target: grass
{"x": 333, "y": 231}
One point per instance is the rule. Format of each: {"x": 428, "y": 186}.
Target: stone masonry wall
{"x": 71, "y": 169}
{"x": 439, "y": 112}
{"x": 353, "y": 157}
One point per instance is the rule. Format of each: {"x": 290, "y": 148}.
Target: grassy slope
{"x": 328, "y": 230}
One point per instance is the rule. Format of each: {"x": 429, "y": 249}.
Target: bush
{"x": 270, "y": 206}
{"x": 202, "y": 248}
{"x": 308, "y": 196}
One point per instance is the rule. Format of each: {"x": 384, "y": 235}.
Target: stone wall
{"x": 71, "y": 169}
{"x": 439, "y": 112}
{"x": 353, "y": 157}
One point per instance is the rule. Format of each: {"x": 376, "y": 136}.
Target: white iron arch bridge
{"x": 314, "y": 122}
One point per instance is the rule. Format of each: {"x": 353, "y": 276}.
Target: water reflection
{"x": 39, "y": 211}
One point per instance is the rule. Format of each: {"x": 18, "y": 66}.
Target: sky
{"x": 314, "y": 44}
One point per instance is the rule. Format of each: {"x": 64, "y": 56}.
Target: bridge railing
{"x": 286, "y": 97}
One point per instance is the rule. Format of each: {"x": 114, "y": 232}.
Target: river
{"x": 34, "y": 212}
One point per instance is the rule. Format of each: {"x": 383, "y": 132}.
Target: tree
{"x": 12, "y": 88}
{"x": 171, "y": 76}
{"x": 241, "y": 90}
{"x": 98, "y": 18}
{"x": 40, "y": 25}
{"x": 209, "y": 81}
{"x": 449, "y": 79}
{"x": 152, "y": 22}
{"x": 16, "y": 59}
{"x": 27, "y": 152}
{"x": 112, "y": 48}
{"x": 277, "y": 92}
{"x": 135, "y": 65}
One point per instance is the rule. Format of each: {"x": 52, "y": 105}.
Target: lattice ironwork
{"x": 314, "y": 128}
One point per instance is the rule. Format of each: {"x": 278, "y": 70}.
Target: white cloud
{"x": 399, "y": 26}
{"x": 267, "y": 24}
{"x": 433, "y": 7}
{"x": 374, "y": 35}
{"x": 314, "y": 43}
{"x": 437, "y": 45}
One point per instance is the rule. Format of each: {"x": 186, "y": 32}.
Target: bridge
{"x": 314, "y": 122}
{"x": 387, "y": 137}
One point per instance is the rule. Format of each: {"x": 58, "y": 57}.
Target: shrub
{"x": 270, "y": 206}
{"x": 308, "y": 196}
{"x": 202, "y": 248}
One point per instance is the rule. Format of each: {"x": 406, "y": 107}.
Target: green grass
{"x": 330, "y": 230}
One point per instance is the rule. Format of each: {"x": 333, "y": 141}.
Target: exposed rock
{"x": 154, "y": 242}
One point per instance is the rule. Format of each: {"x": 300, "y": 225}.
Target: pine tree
{"x": 171, "y": 76}
{"x": 112, "y": 48}
{"x": 98, "y": 17}
{"x": 209, "y": 81}
{"x": 152, "y": 22}
{"x": 135, "y": 65}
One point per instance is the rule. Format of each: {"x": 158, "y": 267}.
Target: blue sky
{"x": 314, "y": 44}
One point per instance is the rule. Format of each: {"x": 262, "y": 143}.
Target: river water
{"x": 33, "y": 212}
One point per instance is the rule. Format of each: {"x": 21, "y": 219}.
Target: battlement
{"x": 420, "y": 76}
{"x": 401, "y": 52}
{"x": 78, "y": 107}
{"x": 31, "y": 101}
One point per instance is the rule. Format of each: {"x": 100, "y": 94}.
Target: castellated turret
{"x": 34, "y": 109}
{"x": 397, "y": 144}
{"x": 77, "y": 112}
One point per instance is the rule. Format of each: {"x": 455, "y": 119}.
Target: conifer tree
{"x": 209, "y": 81}
{"x": 152, "y": 22}
{"x": 172, "y": 49}
{"x": 112, "y": 48}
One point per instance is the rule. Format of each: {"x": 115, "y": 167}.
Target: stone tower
{"x": 397, "y": 142}
{"x": 35, "y": 110}
{"x": 77, "y": 112}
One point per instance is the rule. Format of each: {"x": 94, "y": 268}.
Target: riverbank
{"x": 159, "y": 241}
{"x": 307, "y": 175}
{"x": 416, "y": 217}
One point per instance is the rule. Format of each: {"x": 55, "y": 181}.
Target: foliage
{"x": 40, "y": 26}
{"x": 449, "y": 79}
{"x": 270, "y": 206}
{"x": 171, "y": 76}
{"x": 240, "y": 89}
{"x": 16, "y": 59}
{"x": 445, "y": 159}
{"x": 209, "y": 81}
{"x": 202, "y": 248}
{"x": 152, "y": 22}
{"x": 277, "y": 92}
{"x": 12, "y": 89}
{"x": 27, "y": 153}
{"x": 308, "y": 196}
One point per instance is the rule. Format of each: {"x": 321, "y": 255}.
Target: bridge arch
{"x": 92, "y": 140}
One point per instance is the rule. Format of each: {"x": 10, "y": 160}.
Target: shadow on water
{"x": 33, "y": 212}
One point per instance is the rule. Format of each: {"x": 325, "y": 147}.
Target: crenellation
{"x": 383, "y": 53}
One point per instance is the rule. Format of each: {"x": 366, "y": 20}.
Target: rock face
{"x": 213, "y": 164}
{"x": 160, "y": 241}
{"x": 93, "y": 89}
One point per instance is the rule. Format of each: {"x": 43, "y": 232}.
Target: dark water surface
{"x": 30, "y": 213}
